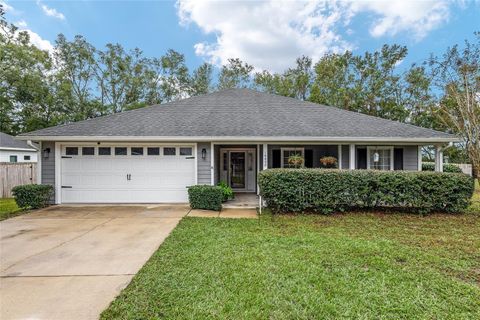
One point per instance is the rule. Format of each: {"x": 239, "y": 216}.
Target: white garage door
{"x": 126, "y": 174}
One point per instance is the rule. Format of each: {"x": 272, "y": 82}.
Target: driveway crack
{"x": 59, "y": 245}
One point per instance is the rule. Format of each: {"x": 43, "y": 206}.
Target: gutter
{"x": 239, "y": 139}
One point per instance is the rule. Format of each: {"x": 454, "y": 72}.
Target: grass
{"x": 475, "y": 206}
{"x": 8, "y": 208}
{"x": 362, "y": 265}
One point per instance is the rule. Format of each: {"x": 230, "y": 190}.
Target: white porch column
{"x": 265, "y": 156}
{"x": 339, "y": 156}
{"x": 352, "y": 157}
{"x": 212, "y": 164}
{"x": 438, "y": 158}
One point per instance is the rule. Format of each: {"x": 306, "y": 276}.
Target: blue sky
{"x": 267, "y": 34}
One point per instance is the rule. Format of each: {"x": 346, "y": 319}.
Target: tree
{"x": 26, "y": 100}
{"x": 75, "y": 71}
{"x": 236, "y": 74}
{"x": 201, "y": 82}
{"x": 457, "y": 75}
{"x": 294, "y": 82}
{"x": 367, "y": 84}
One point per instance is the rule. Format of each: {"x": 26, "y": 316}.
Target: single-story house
{"x": 150, "y": 155}
{"x": 13, "y": 150}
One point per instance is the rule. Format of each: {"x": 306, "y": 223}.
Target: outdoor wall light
{"x": 204, "y": 153}
{"x": 46, "y": 153}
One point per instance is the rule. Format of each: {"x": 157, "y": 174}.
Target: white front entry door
{"x": 126, "y": 174}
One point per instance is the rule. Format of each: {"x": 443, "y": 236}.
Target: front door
{"x": 238, "y": 168}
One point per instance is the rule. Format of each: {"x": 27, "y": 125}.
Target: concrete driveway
{"x": 70, "y": 262}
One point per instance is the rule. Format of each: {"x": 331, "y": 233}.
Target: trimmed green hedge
{"x": 447, "y": 167}
{"x": 32, "y": 196}
{"x": 205, "y": 197}
{"x": 329, "y": 190}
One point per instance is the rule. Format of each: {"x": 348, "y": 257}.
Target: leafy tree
{"x": 236, "y": 74}
{"x": 367, "y": 84}
{"x": 457, "y": 75}
{"x": 26, "y": 102}
{"x": 75, "y": 71}
{"x": 201, "y": 82}
{"x": 295, "y": 82}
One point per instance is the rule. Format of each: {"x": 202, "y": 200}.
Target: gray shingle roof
{"x": 241, "y": 113}
{"x": 7, "y": 141}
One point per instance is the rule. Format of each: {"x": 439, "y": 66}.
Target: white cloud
{"x": 6, "y": 6}
{"x": 392, "y": 17}
{"x": 21, "y": 24}
{"x": 51, "y": 12}
{"x": 271, "y": 34}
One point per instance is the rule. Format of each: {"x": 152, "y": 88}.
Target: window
{"x": 380, "y": 158}
{"x": 120, "y": 151}
{"x": 13, "y": 158}
{"x": 136, "y": 151}
{"x": 170, "y": 151}
{"x": 288, "y": 152}
{"x": 151, "y": 151}
{"x": 26, "y": 158}
{"x": 71, "y": 151}
{"x": 88, "y": 151}
{"x": 185, "y": 151}
{"x": 104, "y": 151}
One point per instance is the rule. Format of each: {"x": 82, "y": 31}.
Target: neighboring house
{"x": 13, "y": 150}
{"x": 152, "y": 154}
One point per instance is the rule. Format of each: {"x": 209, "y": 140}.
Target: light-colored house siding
{"x": 48, "y": 165}
{"x": 5, "y": 155}
{"x": 410, "y": 158}
{"x": 203, "y": 165}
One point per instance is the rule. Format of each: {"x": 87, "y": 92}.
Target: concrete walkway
{"x": 225, "y": 213}
{"x": 71, "y": 262}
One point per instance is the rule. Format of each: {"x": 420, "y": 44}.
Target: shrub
{"x": 227, "y": 191}
{"x": 329, "y": 162}
{"x": 205, "y": 197}
{"x": 447, "y": 167}
{"x": 32, "y": 196}
{"x": 327, "y": 190}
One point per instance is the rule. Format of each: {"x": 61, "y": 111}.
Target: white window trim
{"x": 282, "y": 150}
{"x": 374, "y": 148}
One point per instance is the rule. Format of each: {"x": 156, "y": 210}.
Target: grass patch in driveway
{"x": 361, "y": 265}
{"x": 8, "y": 208}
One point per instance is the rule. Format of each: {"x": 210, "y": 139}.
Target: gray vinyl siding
{"x": 410, "y": 158}
{"x": 48, "y": 165}
{"x": 345, "y": 156}
{"x": 203, "y": 165}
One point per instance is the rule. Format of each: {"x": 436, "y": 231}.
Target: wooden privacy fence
{"x": 15, "y": 174}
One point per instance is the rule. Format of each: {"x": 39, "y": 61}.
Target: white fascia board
{"x": 18, "y": 149}
{"x": 242, "y": 138}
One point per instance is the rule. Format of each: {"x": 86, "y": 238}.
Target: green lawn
{"x": 8, "y": 208}
{"x": 475, "y": 206}
{"x": 361, "y": 265}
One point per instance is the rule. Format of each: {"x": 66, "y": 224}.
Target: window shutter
{"x": 276, "y": 158}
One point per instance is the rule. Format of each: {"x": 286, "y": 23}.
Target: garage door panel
{"x": 103, "y": 179}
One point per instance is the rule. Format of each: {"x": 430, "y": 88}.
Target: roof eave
{"x": 243, "y": 138}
